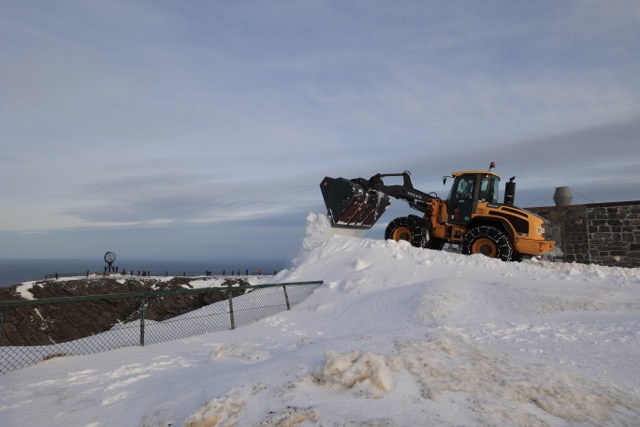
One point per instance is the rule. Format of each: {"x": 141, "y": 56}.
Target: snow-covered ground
{"x": 397, "y": 336}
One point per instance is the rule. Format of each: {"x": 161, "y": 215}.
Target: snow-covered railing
{"x": 35, "y": 330}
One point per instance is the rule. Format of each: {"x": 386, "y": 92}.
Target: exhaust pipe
{"x": 510, "y": 192}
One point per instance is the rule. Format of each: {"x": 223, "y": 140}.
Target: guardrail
{"x": 92, "y": 323}
{"x": 164, "y": 273}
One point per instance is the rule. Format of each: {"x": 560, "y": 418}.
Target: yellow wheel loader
{"x": 470, "y": 217}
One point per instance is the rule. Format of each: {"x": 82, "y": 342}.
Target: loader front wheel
{"x": 488, "y": 241}
{"x": 409, "y": 229}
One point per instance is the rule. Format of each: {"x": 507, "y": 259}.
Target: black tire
{"x": 410, "y": 229}
{"x": 488, "y": 241}
{"x": 517, "y": 257}
{"x": 436, "y": 244}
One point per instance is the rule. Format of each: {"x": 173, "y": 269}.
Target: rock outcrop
{"x": 65, "y": 321}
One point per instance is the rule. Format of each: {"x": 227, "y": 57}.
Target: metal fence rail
{"x": 163, "y": 273}
{"x": 147, "y": 317}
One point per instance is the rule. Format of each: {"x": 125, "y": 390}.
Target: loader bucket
{"x": 350, "y": 205}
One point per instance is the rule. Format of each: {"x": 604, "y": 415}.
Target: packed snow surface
{"x": 396, "y": 336}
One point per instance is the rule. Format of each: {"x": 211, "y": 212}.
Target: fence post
{"x": 143, "y": 302}
{"x": 286, "y": 297}
{"x": 233, "y": 322}
{"x": 1, "y": 322}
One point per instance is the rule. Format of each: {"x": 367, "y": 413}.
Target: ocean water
{"x": 13, "y": 271}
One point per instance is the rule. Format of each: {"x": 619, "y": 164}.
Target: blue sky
{"x": 202, "y": 129}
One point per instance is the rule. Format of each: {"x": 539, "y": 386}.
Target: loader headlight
{"x": 540, "y": 230}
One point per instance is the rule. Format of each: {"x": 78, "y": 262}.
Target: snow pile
{"x": 371, "y": 372}
{"x": 319, "y": 231}
{"x": 397, "y": 336}
{"x": 222, "y": 411}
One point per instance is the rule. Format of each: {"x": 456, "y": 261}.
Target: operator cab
{"x": 469, "y": 188}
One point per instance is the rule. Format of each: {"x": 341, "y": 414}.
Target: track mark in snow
{"x": 360, "y": 265}
{"x": 381, "y": 422}
{"x": 290, "y": 417}
{"x": 440, "y": 300}
{"x": 158, "y": 418}
{"x": 449, "y": 362}
{"x": 247, "y": 352}
{"x": 126, "y": 382}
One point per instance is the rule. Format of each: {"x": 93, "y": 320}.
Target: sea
{"x": 14, "y": 271}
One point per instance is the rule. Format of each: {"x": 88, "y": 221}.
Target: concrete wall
{"x": 598, "y": 233}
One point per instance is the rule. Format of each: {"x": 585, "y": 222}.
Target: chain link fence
{"x": 35, "y": 330}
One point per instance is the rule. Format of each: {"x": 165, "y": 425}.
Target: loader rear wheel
{"x": 410, "y": 229}
{"x": 488, "y": 241}
{"x": 435, "y": 244}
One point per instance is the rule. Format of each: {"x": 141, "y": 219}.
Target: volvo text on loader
{"x": 470, "y": 216}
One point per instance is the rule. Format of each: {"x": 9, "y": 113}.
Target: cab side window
{"x": 488, "y": 190}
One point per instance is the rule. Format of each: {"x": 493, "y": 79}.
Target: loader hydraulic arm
{"x": 415, "y": 198}
{"x": 358, "y": 203}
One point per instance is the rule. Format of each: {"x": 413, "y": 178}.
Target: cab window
{"x": 489, "y": 189}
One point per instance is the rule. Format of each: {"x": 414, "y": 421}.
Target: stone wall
{"x": 598, "y": 233}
